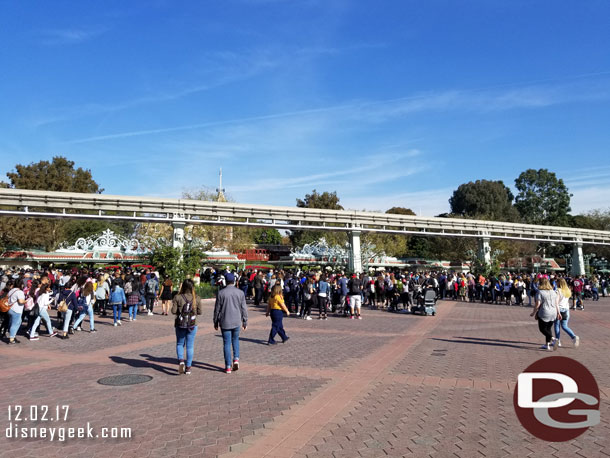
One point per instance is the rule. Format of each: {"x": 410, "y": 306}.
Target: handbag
{"x": 35, "y": 312}
{"x": 63, "y": 305}
{"x": 29, "y": 304}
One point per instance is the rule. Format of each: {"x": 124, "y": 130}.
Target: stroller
{"x": 425, "y": 303}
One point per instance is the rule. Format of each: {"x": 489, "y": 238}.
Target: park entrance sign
{"x": 180, "y": 212}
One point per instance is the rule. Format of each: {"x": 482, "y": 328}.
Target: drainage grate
{"x": 124, "y": 380}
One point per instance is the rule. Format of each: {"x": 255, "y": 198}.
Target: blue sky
{"x": 388, "y": 103}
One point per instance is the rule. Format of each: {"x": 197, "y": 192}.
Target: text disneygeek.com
{"x": 45, "y": 417}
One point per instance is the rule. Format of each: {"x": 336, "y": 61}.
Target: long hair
{"x": 33, "y": 288}
{"x": 43, "y": 289}
{"x": 188, "y": 287}
{"x": 276, "y": 290}
{"x": 88, "y": 289}
{"x": 545, "y": 285}
{"x": 565, "y": 290}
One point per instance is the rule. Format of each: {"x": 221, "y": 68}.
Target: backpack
{"x": 81, "y": 303}
{"x": 128, "y": 288}
{"x": 186, "y": 317}
{"x": 29, "y": 303}
{"x": 150, "y": 287}
{"x": 4, "y": 307}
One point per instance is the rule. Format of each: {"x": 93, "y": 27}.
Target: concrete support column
{"x": 578, "y": 260}
{"x": 484, "y": 252}
{"x": 355, "y": 257}
{"x": 178, "y": 236}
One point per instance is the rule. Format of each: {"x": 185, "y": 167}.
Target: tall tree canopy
{"x": 58, "y": 175}
{"x": 543, "y": 198}
{"x": 324, "y": 200}
{"x": 401, "y": 211}
{"x": 484, "y": 199}
{"x": 266, "y": 236}
{"x": 327, "y": 200}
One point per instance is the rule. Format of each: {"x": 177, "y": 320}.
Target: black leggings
{"x": 546, "y": 328}
{"x": 306, "y": 307}
{"x": 100, "y": 305}
{"x": 322, "y": 301}
{"x": 150, "y": 301}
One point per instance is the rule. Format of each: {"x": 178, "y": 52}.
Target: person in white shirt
{"x": 86, "y": 298}
{"x": 16, "y": 301}
{"x": 44, "y": 300}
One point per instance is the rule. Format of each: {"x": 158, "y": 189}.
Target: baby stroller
{"x": 426, "y": 303}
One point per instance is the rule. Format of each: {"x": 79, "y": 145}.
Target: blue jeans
{"x": 230, "y": 337}
{"x": 185, "y": 336}
{"x": 67, "y": 318}
{"x": 81, "y": 317}
{"x": 117, "y": 309}
{"x": 16, "y": 319}
{"x": 43, "y": 315}
{"x": 277, "y": 326}
{"x": 133, "y": 311}
{"x": 564, "y": 326}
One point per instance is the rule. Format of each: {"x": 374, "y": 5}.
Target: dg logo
{"x": 557, "y": 399}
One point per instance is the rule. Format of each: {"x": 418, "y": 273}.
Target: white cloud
{"x": 430, "y": 202}
{"x": 590, "y": 198}
{"x": 353, "y": 113}
{"x": 70, "y": 36}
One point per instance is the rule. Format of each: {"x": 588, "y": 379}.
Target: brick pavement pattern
{"x": 390, "y": 385}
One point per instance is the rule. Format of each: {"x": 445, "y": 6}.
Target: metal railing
{"x": 47, "y": 204}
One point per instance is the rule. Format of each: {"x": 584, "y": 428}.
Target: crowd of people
{"x": 27, "y": 298}
{"x": 399, "y": 290}
{"x": 76, "y": 295}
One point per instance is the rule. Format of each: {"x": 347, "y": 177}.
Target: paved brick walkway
{"x": 388, "y": 385}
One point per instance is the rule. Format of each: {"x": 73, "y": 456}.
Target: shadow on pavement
{"x": 198, "y": 364}
{"x": 151, "y": 363}
{"x": 246, "y": 339}
{"x": 490, "y": 342}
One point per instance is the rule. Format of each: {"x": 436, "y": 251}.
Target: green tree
{"x": 176, "y": 263}
{"x": 59, "y": 174}
{"x": 543, "y": 198}
{"x": 324, "y": 200}
{"x": 484, "y": 199}
{"x": 266, "y": 236}
{"x": 401, "y": 211}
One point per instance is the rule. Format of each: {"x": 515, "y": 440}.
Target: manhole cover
{"x": 124, "y": 380}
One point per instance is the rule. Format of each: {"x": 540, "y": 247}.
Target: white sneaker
{"x": 576, "y": 341}
{"x": 559, "y": 344}
{"x": 150, "y": 313}
{"x": 115, "y": 324}
{"x": 309, "y": 318}
{"x": 79, "y": 329}
{"x": 119, "y": 322}
{"x": 130, "y": 319}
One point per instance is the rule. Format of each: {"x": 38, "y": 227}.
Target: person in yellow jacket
{"x": 276, "y": 308}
